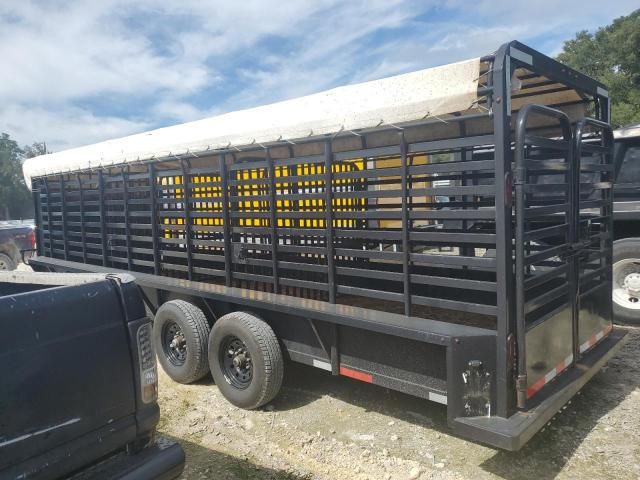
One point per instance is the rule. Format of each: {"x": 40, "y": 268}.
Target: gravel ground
{"x": 323, "y": 427}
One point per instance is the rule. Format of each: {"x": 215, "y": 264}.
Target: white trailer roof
{"x": 402, "y": 98}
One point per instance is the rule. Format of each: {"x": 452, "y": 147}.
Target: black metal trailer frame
{"x": 388, "y": 285}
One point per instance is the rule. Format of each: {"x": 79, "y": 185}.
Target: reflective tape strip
{"x": 437, "y": 397}
{"x": 593, "y": 339}
{"x": 557, "y": 370}
{"x": 322, "y": 365}
{"x": 362, "y": 376}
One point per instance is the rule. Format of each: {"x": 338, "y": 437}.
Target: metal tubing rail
{"x": 186, "y": 207}
{"x": 36, "y": 188}
{"x": 82, "y": 222}
{"x": 406, "y": 225}
{"x": 273, "y": 220}
{"x": 522, "y": 139}
{"x": 63, "y": 213}
{"x": 155, "y": 234}
{"x": 500, "y": 80}
{"x": 329, "y": 234}
{"x": 226, "y": 225}
{"x": 103, "y": 227}
{"x": 127, "y": 226}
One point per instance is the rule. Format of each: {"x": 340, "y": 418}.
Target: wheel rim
{"x": 174, "y": 343}
{"x": 236, "y": 363}
{"x": 626, "y": 283}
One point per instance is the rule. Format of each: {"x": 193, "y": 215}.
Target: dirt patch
{"x": 323, "y": 427}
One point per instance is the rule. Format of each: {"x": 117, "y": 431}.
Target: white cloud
{"x": 77, "y": 72}
{"x": 64, "y": 128}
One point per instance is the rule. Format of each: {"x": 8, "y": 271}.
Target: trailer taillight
{"x": 148, "y": 371}
{"x": 31, "y": 239}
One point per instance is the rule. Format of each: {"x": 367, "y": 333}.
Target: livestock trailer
{"x": 446, "y": 233}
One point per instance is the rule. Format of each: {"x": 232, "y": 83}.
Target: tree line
{"x": 15, "y": 198}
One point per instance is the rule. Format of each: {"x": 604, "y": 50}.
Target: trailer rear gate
{"x": 455, "y": 257}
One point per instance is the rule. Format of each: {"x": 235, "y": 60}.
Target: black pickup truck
{"x": 78, "y": 380}
{"x": 16, "y": 239}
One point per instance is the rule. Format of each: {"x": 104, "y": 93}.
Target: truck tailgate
{"x": 88, "y": 343}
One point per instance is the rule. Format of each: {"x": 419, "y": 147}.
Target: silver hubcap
{"x": 626, "y": 283}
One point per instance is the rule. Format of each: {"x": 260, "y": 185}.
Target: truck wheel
{"x": 626, "y": 280}
{"x": 180, "y": 333}
{"x": 245, "y": 360}
{"x": 6, "y": 263}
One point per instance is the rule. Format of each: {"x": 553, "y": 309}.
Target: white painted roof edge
{"x": 393, "y": 100}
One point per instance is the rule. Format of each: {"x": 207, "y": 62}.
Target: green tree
{"x": 34, "y": 150}
{"x": 15, "y": 198}
{"x": 612, "y": 56}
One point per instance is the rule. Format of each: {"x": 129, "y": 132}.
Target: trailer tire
{"x": 6, "y": 262}
{"x": 245, "y": 359}
{"x": 180, "y": 335}
{"x": 626, "y": 267}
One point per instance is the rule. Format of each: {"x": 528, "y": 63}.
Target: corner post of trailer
{"x": 501, "y": 110}
{"x": 154, "y": 219}
{"x": 37, "y": 203}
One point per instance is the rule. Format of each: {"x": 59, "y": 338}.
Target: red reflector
{"x": 363, "y": 377}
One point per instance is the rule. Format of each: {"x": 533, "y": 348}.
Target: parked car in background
{"x": 17, "y": 238}
{"x": 626, "y": 217}
{"x": 78, "y": 381}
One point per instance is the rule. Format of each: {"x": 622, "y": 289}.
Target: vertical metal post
{"x": 573, "y": 219}
{"x": 519, "y": 185}
{"x": 127, "y": 229}
{"x": 46, "y": 186}
{"x": 501, "y": 109}
{"x": 103, "y": 228}
{"x": 405, "y": 224}
{"x": 63, "y": 212}
{"x": 273, "y": 221}
{"x": 154, "y": 219}
{"x": 186, "y": 206}
{"x": 82, "y": 219}
{"x": 36, "y": 189}
{"x": 328, "y": 188}
{"x": 335, "y": 349}
{"x": 226, "y": 222}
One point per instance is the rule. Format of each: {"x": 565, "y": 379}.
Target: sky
{"x": 75, "y": 73}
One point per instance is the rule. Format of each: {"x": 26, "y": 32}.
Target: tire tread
{"x": 197, "y": 323}
{"x": 271, "y": 353}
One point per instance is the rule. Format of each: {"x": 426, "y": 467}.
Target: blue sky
{"x": 74, "y": 73}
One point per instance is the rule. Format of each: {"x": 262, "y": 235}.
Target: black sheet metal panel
{"x": 45, "y": 407}
{"x": 512, "y": 433}
{"x": 594, "y": 232}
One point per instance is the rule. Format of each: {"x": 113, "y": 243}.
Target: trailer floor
{"x": 322, "y": 427}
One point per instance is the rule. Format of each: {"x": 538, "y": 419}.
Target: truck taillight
{"x": 148, "y": 371}
{"x": 31, "y": 239}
